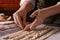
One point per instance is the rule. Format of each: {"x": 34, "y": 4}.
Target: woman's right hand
{"x": 20, "y": 18}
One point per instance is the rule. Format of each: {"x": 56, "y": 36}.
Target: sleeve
{"x": 32, "y": 1}
{"x": 58, "y": 2}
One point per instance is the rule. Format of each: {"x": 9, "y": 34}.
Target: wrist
{"x": 21, "y": 10}
{"x": 58, "y": 7}
{"x": 50, "y": 11}
{"x": 26, "y": 7}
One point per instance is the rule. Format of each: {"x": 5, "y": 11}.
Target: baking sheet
{"x": 9, "y": 31}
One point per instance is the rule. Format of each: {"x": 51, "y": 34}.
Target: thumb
{"x": 33, "y": 25}
{"x": 33, "y": 14}
{"x": 27, "y": 27}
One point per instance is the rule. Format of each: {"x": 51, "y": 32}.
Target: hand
{"x": 20, "y": 18}
{"x": 27, "y": 27}
{"x": 39, "y": 20}
{"x": 20, "y": 15}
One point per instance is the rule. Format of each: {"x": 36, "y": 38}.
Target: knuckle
{"x": 38, "y": 10}
{"x": 14, "y": 14}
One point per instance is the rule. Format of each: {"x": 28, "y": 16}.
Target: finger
{"x": 19, "y": 21}
{"x": 27, "y": 27}
{"x": 15, "y": 20}
{"x": 34, "y": 24}
{"x": 33, "y": 14}
{"x": 24, "y": 20}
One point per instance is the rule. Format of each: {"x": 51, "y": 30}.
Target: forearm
{"x": 26, "y": 7}
{"x": 46, "y": 12}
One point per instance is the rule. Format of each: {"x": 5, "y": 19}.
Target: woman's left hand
{"x": 39, "y": 19}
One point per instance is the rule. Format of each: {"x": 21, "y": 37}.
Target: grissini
{"x": 7, "y": 36}
{"x": 40, "y": 33}
{"x": 48, "y": 34}
{"x": 29, "y": 36}
{"x": 6, "y": 22}
{"x": 17, "y": 34}
{"x": 5, "y": 27}
{"x": 22, "y": 36}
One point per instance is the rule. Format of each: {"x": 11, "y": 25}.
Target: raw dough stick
{"x": 48, "y": 34}
{"x": 34, "y": 36}
{"x": 29, "y": 36}
{"x": 23, "y": 35}
{"x": 5, "y": 27}
{"x": 7, "y": 36}
{"x": 17, "y": 34}
{"x": 6, "y": 22}
{"x": 9, "y": 18}
{"x": 40, "y": 33}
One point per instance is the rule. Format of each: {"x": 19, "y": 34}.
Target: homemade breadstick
{"x": 17, "y": 34}
{"x": 48, "y": 34}
{"x": 40, "y": 33}
{"x": 6, "y": 22}
{"x": 22, "y": 36}
{"x": 29, "y": 36}
{"x": 7, "y": 36}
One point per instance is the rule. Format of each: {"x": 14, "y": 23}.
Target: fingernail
{"x": 31, "y": 28}
{"x": 24, "y": 29}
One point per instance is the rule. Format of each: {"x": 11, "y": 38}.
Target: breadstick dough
{"x": 6, "y": 22}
